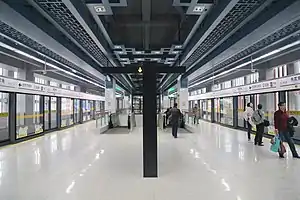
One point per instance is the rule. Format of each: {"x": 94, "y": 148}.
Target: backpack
{"x": 255, "y": 117}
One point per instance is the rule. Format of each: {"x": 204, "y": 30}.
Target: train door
{"x": 241, "y": 110}
{"x": 46, "y": 113}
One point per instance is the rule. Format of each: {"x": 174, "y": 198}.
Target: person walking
{"x": 175, "y": 116}
{"x": 247, "y": 116}
{"x": 258, "y": 118}
{"x": 195, "y": 113}
{"x": 281, "y": 127}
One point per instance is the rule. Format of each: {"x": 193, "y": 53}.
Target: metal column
{"x": 235, "y": 112}
{"x": 12, "y": 117}
{"x": 212, "y": 111}
{"x": 149, "y": 123}
{"x": 58, "y": 105}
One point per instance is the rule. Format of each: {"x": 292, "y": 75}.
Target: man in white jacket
{"x": 247, "y": 116}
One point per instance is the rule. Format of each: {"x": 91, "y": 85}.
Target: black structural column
{"x": 149, "y": 122}
{"x": 149, "y": 71}
{"x": 235, "y": 112}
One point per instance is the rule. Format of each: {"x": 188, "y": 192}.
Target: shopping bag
{"x": 275, "y": 144}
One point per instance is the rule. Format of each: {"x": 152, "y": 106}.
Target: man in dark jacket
{"x": 175, "y": 116}
{"x": 281, "y": 127}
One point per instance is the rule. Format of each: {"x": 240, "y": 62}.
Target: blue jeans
{"x": 285, "y": 136}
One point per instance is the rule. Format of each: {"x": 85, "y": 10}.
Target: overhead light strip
{"x": 49, "y": 64}
{"x": 249, "y": 62}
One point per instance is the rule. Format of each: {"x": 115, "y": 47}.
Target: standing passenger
{"x": 247, "y": 116}
{"x": 175, "y": 116}
{"x": 281, "y": 128}
{"x": 258, "y": 118}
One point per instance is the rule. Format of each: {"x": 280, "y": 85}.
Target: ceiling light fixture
{"x": 100, "y": 9}
{"x": 198, "y": 9}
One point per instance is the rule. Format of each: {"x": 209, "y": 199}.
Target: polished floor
{"x": 212, "y": 163}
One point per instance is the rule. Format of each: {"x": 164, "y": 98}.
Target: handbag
{"x": 266, "y": 123}
{"x": 275, "y": 141}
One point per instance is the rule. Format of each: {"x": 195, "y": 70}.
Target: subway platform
{"x": 212, "y": 162}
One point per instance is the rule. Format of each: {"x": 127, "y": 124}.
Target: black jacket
{"x": 292, "y": 121}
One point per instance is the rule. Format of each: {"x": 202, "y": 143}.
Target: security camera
{"x": 253, "y": 70}
{"x": 44, "y": 72}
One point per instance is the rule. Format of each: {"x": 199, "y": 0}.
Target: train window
{"x": 227, "y": 111}
{"x": 76, "y": 110}
{"x": 294, "y": 108}
{"x": 67, "y": 112}
{"x": 92, "y": 109}
{"x": 85, "y": 110}
{"x": 53, "y": 113}
{"x": 217, "y": 110}
{"x": 29, "y": 118}
{"x": 206, "y": 104}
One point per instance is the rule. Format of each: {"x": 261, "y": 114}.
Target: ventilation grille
{"x": 288, "y": 30}
{"x": 238, "y": 14}
{"x": 63, "y": 16}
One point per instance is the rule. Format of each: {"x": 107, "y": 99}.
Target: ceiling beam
{"x": 146, "y": 17}
{"x": 164, "y": 23}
